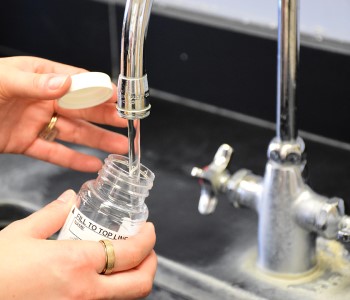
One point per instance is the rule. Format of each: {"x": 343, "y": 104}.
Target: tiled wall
{"x": 216, "y": 66}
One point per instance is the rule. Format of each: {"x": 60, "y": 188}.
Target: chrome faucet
{"x": 133, "y": 92}
{"x": 291, "y": 215}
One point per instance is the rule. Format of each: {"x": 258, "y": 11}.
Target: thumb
{"x": 48, "y": 220}
{"x": 20, "y": 84}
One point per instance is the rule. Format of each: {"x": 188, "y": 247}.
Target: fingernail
{"x": 57, "y": 82}
{"x": 67, "y": 196}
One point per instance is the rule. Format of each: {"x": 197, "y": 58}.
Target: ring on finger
{"x": 49, "y": 132}
{"x": 110, "y": 257}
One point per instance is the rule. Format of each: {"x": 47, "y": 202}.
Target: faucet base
{"x": 285, "y": 247}
{"x": 329, "y": 279}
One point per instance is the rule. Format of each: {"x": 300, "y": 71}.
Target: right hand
{"x": 27, "y": 103}
{"x": 33, "y": 267}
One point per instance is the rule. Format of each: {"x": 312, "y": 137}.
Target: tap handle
{"x": 212, "y": 179}
{"x": 207, "y": 200}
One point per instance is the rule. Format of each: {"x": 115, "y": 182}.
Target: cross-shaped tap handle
{"x": 213, "y": 178}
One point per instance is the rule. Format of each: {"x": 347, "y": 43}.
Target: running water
{"x": 134, "y": 148}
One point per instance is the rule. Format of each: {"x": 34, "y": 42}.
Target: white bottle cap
{"x": 87, "y": 90}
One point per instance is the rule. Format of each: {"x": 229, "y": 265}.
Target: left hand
{"x": 35, "y": 268}
{"x": 29, "y": 87}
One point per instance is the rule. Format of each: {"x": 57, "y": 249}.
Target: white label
{"x": 80, "y": 227}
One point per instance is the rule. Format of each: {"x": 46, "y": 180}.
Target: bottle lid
{"x": 87, "y": 90}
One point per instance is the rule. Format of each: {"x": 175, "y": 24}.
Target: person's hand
{"x": 29, "y": 87}
{"x": 35, "y": 268}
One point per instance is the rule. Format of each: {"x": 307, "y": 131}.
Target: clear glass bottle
{"x": 111, "y": 206}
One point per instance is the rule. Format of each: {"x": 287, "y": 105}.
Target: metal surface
{"x": 212, "y": 179}
{"x": 344, "y": 232}
{"x": 291, "y": 214}
{"x": 284, "y": 246}
{"x": 133, "y": 92}
{"x": 287, "y": 67}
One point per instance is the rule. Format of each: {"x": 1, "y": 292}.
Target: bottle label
{"x": 80, "y": 227}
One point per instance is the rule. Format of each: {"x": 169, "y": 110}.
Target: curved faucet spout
{"x": 133, "y": 90}
{"x": 135, "y": 24}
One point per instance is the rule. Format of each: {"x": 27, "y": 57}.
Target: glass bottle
{"x": 111, "y": 206}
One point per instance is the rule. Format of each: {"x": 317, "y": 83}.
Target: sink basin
{"x": 200, "y": 257}
{"x": 14, "y": 209}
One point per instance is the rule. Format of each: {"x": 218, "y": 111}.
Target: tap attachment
{"x": 133, "y": 92}
{"x": 133, "y": 101}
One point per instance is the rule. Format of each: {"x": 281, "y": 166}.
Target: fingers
{"x": 40, "y": 65}
{"x": 63, "y": 156}
{"x": 131, "y": 252}
{"x": 132, "y": 284}
{"x": 128, "y": 253}
{"x": 135, "y": 267}
{"x": 105, "y": 113}
{"x": 82, "y": 133}
{"x": 48, "y": 220}
{"x": 85, "y": 133}
{"x": 20, "y": 84}
{"x": 34, "y": 78}
{"x": 78, "y": 132}
{"x": 41, "y": 79}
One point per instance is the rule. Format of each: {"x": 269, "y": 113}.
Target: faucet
{"x": 290, "y": 214}
{"x": 133, "y": 92}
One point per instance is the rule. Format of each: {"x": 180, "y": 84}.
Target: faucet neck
{"x": 287, "y": 69}
{"x": 135, "y": 24}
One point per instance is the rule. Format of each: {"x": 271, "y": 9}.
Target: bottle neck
{"x": 118, "y": 186}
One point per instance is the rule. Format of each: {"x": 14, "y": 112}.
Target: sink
{"x": 200, "y": 257}
{"x": 14, "y": 209}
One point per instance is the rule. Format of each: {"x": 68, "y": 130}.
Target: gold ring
{"x": 110, "y": 257}
{"x": 49, "y": 132}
